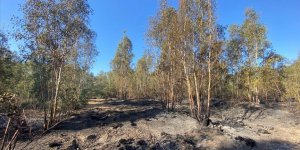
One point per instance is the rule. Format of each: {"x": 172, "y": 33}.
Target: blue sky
{"x": 112, "y": 17}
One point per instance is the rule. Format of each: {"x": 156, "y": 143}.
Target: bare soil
{"x": 142, "y": 124}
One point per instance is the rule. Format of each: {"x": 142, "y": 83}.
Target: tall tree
{"x": 256, "y": 44}
{"x": 235, "y": 54}
{"x": 186, "y": 50}
{"x": 189, "y": 49}
{"x": 164, "y": 35}
{"x": 53, "y": 31}
{"x": 121, "y": 67}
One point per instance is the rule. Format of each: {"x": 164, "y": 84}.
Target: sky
{"x": 111, "y": 18}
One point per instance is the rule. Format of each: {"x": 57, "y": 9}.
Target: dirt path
{"x": 142, "y": 124}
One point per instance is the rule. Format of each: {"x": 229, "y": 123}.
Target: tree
{"x": 247, "y": 50}
{"x": 235, "y": 58}
{"x": 54, "y": 33}
{"x": 121, "y": 67}
{"x": 6, "y": 62}
{"x": 190, "y": 49}
{"x": 188, "y": 56}
{"x": 272, "y": 76}
{"x": 255, "y": 42}
{"x": 164, "y": 34}
{"x": 292, "y": 81}
{"x": 142, "y": 77}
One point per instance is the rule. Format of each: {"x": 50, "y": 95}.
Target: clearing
{"x": 142, "y": 124}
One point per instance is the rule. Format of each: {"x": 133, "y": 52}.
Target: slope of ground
{"x": 142, "y": 124}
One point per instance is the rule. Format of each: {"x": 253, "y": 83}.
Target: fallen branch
{"x": 13, "y": 139}
{"x": 52, "y": 127}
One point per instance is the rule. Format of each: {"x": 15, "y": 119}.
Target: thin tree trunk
{"x": 197, "y": 97}
{"x": 12, "y": 141}
{"x": 209, "y": 58}
{"x": 44, "y": 105}
{"x": 45, "y": 119}
{"x": 249, "y": 87}
{"x": 209, "y": 86}
{"x": 54, "y": 107}
{"x": 237, "y": 86}
{"x": 189, "y": 90}
{"x": 172, "y": 88}
{"x": 256, "y": 76}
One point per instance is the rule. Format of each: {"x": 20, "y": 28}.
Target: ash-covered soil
{"x": 142, "y": 124}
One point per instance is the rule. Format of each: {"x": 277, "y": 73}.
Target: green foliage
{"x": 142, "y": 77}
{"x": 104, "y": 86}
{"x": 190, "y": 59}
{"x": 292, "y": 81}
{"x": 249, "y": 59}
{"x": 59, "y": 44}
{"x": 6, "y": 63}
{"x": 272, "y": 76}
{"x": 121, "y": 67}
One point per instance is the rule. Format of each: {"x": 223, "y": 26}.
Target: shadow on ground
{"x": 132, "y": 111}
{"x": 263, "y": 145}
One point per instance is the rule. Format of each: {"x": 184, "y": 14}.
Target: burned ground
{"x": 142, "y": 124}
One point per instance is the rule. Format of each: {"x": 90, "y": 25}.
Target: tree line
{"x": 193, "y": 58}
{"x": 190, "y": 57}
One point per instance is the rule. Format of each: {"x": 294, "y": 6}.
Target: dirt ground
{"x": 142, "y": 124}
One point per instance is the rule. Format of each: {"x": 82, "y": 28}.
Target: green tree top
{"x": 121, "y": 64}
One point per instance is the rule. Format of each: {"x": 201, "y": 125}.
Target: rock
{"x": 228, "y": 129}
{"x": 214, "y": 124}
{"x": 91, "y": 137}
{"x": 206, "y": 121}
{"x": 263, "y": 131}
{"x": 126, "y": 142}
{"x": 55, "y": 144}
{"x": 74, "y": 146}
{"x": 189, "y": 141}
{"x": 117, "y": 125}
{"x": 133, "y": 123}
{"x": 164, "y": 134}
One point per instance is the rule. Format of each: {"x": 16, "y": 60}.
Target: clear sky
{"x": 112, "y": 17}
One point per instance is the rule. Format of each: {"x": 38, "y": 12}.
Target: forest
{"x": 193, "y": 66}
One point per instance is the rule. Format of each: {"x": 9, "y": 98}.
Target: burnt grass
{"x": 114, "y": 118}
{"x": 116, "y": 113}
